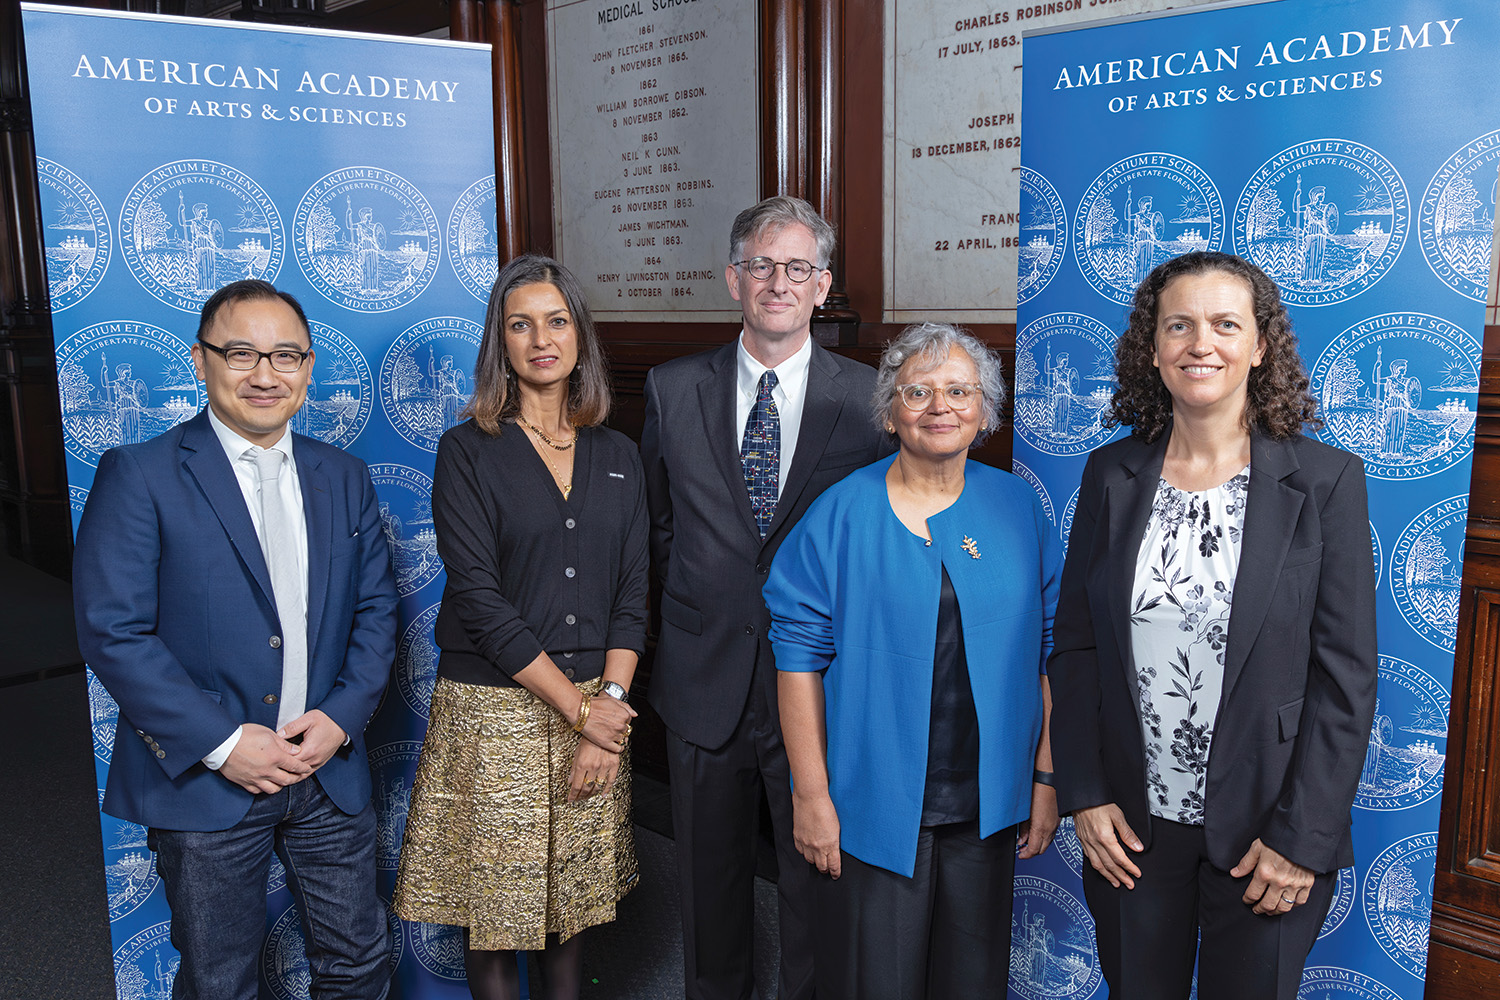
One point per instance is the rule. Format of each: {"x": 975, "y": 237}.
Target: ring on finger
{"x": 1289, "y": 902}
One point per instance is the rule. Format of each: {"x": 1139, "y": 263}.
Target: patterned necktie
{"x": 281, "y": 559}
{"x": 760, "y": 453}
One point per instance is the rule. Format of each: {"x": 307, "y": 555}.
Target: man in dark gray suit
{"x": 738, "y": 441}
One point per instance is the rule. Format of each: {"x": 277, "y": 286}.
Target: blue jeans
{"x": 216, "y": 887}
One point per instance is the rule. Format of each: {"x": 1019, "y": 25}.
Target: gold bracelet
{"x": 583, "y": 715}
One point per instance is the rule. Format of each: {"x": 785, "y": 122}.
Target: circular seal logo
{"x": 284, "y": 954}
{"x": 1065, "y": 528}
{"x": 146, "y": 964}
{"x": 472, "y": 247}
{"x": 1343, "y": 902}
{"x": 1330, "y": 982}
{"x": 129, "y": 865}
{"x": 1065, "y": 376}
{"x": 1035, "y": 483}
{"x": 1377, "y": 551}
{"x": 1425, "y": 568}
{"x": 416, "y": 662}
{"x": 1051, "y": 943}
{"x": 1404, "y": 761}
{"x": 340, "y": 394}
{"x": 1325, "y": 219}
{"x": 1398, "y": 900}
{"x": 276, "y": 878}
{"x": 1067, "y": 845}
{"x": 104, "y": 715}
{"x": 78, "y": 498}
{"x": 367, "y": 239}
{"x": 122, "y": 382}
{"x": 1142, "y": 210}
{"x": 439, "y": 948}
{"x": 1044, "y": 235}
{"x": 406, "y": 515}
{"x": 78, "y": 235}
{"x": 424, "y": 381}
{"x": 1456, "y": 220}
{"x": 1401, "y": 391}
{"x": 190, "y": 227}
{"x": 392, "y": 768}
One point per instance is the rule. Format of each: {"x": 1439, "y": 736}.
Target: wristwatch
{"x": 615, "y": 691}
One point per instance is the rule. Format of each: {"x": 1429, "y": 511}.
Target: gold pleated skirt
{"x": 492, "y": 842}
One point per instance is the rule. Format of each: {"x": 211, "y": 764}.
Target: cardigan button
{"x": 570, "y": 572}
{"x": 571, "y": 619}
{"x": 570, "y": 523}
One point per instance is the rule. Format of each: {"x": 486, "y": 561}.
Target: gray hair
{"x": 773, "y": 215}
{"x": 929, "y": 344}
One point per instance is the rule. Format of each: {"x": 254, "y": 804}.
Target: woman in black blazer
{"x": 1214, "y": 668}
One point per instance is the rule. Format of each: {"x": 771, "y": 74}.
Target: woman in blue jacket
{"x": 911, "y": 617}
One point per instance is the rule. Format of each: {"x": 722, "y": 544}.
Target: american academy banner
{"x": 1350, "y": 150}
{"x": 354, "y": 171}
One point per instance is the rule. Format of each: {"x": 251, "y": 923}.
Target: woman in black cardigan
{"x": 1214, "y": 666}
{"x": 519, "y": 827}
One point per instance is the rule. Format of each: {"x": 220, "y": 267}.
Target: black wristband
{"x": 1042, "y": 778}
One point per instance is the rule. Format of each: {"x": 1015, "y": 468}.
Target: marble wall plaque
{"x": 655, "y": 148}
{"x": 957, "y": 210}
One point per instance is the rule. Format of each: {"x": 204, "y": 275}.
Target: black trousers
{"x": 943, "y": 934}
{"x": 1148, "y": 936}
{"x": 716, "y": 798}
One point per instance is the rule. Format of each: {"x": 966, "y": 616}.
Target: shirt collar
{"x": 791, "y": 374}
{"x": 236, "y": 447}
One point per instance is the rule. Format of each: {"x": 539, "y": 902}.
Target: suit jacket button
{"x": 160, "y": 754}
{"x": 749, "y": 629}
{"x": 269, "y": 699}
{"x": 762, "y": 569}
{"x": 275, "y": 642}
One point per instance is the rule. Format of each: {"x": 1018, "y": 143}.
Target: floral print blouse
{"x": 1179, "y": 613}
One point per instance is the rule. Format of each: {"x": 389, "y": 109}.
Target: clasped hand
{"x": 265, "y": 761}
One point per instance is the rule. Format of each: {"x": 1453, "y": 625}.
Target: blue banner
{"x": 354, "y": 171}
{"x": 1345, "y": 148}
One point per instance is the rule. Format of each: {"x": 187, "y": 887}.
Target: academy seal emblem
{"x": 1035, "y": 483}
{"x": 1377, "y": 551}
{"x": 104, "y": 717}
{"x": 1051, "y": 943}
{"x": 1044, "y": 235}
{"x": 392, "y": 768}
{"x": 1325, "y": 219}
{"x": 284, "y": 955}
{"x": 406, "y": 517}
{"x": 1065, "y": 527}
{"x": 424, "y": 378}
{"x": 1404, "y": 761}
{"x": 77, "y": 234}
{"x": 1456, "y": 219}
{"x": 1142, "y": 210}
{"x": 122, "y": 382}
{"x": 190, "y": 227}
{"x": 129, "y": 865}
{"x": 1401, "y": 391}
{"x": 341, "y": 392}
{"x": 439, "y": 949}
{"x": 146, "y": 964}
{"x": 1398, "y": 900}
{"x": 1329, "y": 982}
{"x": 416, "y": 662}
{"x": 472, "y": 247}
{"x": 1065, "y": 376}
{"x": 1343, "y": 902}
{"x": 367, "y": 239}
{"x": 1426, "y": 565}
{"x": 1068, "y": 847}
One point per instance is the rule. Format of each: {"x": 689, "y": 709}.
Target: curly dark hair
{"x": 1278, "y": 404}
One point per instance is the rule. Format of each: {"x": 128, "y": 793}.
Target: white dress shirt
{"x": 789, "y": 395}
{"x": 241, "y": 454}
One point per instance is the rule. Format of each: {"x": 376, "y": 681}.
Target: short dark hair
{"x": 248, "y": 290}
{"x": 496, "y": 399}
{"x": 1278, "y": 402}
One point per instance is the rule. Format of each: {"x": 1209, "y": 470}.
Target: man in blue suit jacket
{"x": 199, "y": 560}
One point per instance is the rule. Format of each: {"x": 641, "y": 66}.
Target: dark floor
{"x": 54, "y": 919}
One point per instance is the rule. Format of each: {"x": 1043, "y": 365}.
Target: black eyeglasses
{"x": 244, "y": 359}
{"x": 761, "y": 268}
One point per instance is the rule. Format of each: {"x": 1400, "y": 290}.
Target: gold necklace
{"x": 567, "y": 488}
{"x": 543, "y": 436}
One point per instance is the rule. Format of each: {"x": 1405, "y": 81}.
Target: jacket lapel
{"x": 1271, "y": 512}
{"x": 317, "y": 507}
{"x": 716, "y": 396}
{"x": 1129, "y": 501}
{"x": 206, "y": 462}
{"x": 820, "y": 411}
